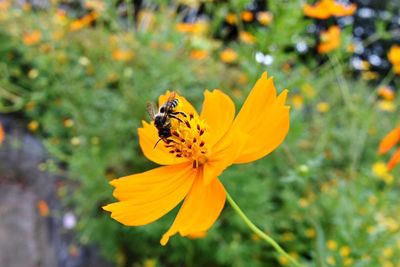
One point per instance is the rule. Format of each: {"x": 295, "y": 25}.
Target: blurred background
{"x": 75, "y": 77}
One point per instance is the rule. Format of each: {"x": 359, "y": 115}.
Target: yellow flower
{"x": 394, "y": 58}
{"x": 323, "y": 107}
{"x": 228, "y": 55}
{"x": 297, "y": 101}
{"x": 32, "y": 38}
{"x": 331, "y": 244}
{"x": 33, "y": 126}
{"x": 387, "y": 143}
{"x": 325, "y": 9}
{"x": 200, "y": 148}
{"x": 345, "y": 251}
{"x": 329, "y": 40}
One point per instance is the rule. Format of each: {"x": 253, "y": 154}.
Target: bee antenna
{"x": 157, "y": 143}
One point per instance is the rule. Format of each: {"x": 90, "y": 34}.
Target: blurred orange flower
{"x": 198, "y": 54}
{"x": 84, "y": 21}
{"x": 43, "y": 208}
{"x": 2, "y": 134}
{"x": 247, "y": 16}
{"x": 387, "y": 143}
{"x": 325, "y": 9}
{"x": 247, "y": 37}
{"x": 32, "y": 38}
{"x": 201, "y": 147}
{"x": 329, "y": 40}
{"x": 386, "y": 93}
{"x": 122, "y": 55}
{"x": 394, "y": 58}
{"x": 231, "y": 18}
{"x": 228, "y": 55}
{"x": 264, "y": 17}
{"x": 197, "y": 28}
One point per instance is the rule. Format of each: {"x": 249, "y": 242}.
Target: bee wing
{"x": 172, "y": 96}
{"x": 151, "y": 109}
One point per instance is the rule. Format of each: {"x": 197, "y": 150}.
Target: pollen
{"x": 187, "y": 139}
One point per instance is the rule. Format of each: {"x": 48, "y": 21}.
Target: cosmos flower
{"x": 228, "y": 55}
{"x": 32, "y": 38}
{"x": 325, "y": 9}
{"x": 329, "y": 40}
{"x": 394, "y": 58}
{"x": 202, "y": 147}
{"x": 84, "y": 21}
{"x": 2, "y": 134}
{"x": 387, "y": 143}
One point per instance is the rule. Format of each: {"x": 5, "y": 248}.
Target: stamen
{"x": 187, "y": 133}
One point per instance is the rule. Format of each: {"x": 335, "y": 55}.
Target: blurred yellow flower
{"x": 331, "y": 244}
{"x": 247, "y": 37}
{"x": 345, "y": 251}
{"x": 329, "y": 40}
{"x": 386, "y": 105}
{"x": 331, "y": 260}
{"x": 348, "y": 261}
{"x": 264, "y": 17}
{"x": 394, "y": 58}
{"x": 323, "y": 107}
{"x": 31, "y": 38}
{"x": 325, "y": 9}
{"x": 310, "y": 233}
{"x": 199, "y": 149}
{"x": 387, "y": 252}
{"x": 228, "y": 55}
{"x": 33, "y": 126}
{"x": 122, "y": 55}
{"x": 381, "y": 171}
{"x": 308, "y": 90}
{"x": 297, "y": 101}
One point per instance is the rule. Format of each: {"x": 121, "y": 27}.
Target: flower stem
{"x": 260, "y": 233}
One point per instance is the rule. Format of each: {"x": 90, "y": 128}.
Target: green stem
{"x": 260, "y": 233}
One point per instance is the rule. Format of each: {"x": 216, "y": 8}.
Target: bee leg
{"x": 157, "y": 143}
{"x": 179, "y": 112}
{"x": 172, "y": 116}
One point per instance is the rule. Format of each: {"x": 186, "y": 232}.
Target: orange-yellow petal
{"x": 218, "y": 113}
{"x": 223, "y": 154}
{"x": 200, "y": 209}
{"x": 147, "y": 196}
{"x": 264, "y": 118}
{"x": 148, "y": 137}
{"x": 394, "y": 160}
{"x": 389, "y": 141}
{"x": 185, "y": 105}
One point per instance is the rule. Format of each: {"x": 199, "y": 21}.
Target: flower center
{"x": 187, "y": 139}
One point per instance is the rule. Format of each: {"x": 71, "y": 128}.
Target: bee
{"x": 162, "y": 119}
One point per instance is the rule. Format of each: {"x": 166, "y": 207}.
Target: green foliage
{"x": 318, "y": 186}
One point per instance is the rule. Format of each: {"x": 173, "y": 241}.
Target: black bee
{"x": 162, "y": 119}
